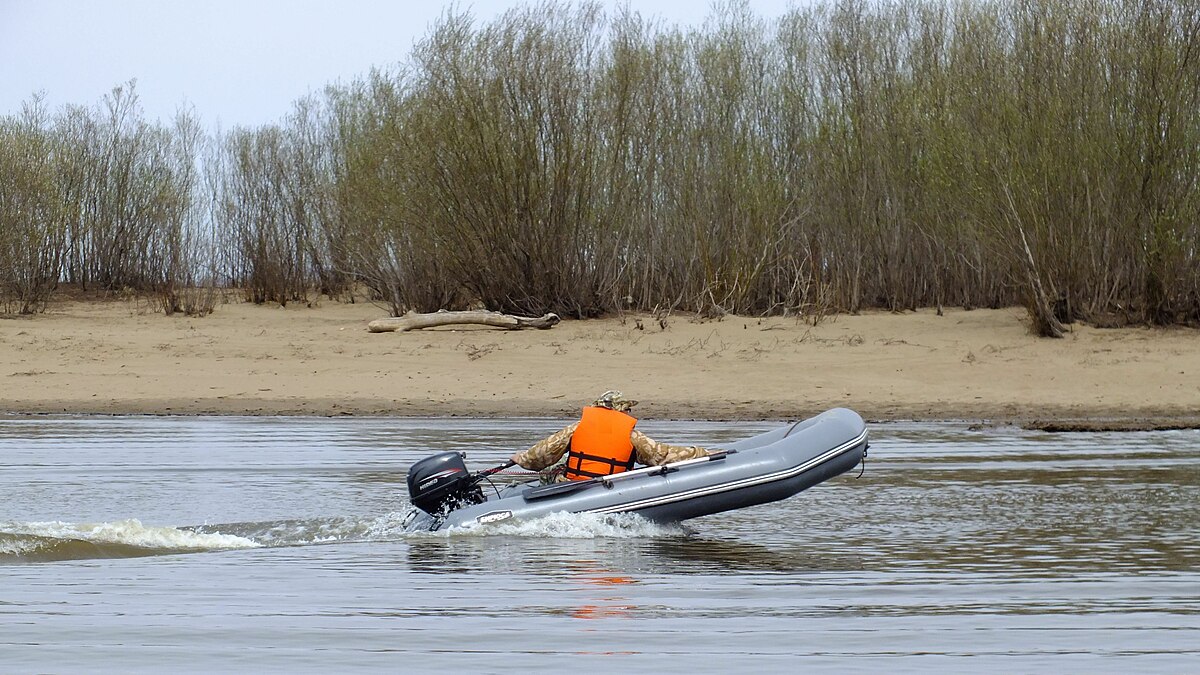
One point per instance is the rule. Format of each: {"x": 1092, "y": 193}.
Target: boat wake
{"x": 59, "y": 541}
{"x": 49, "y": 541}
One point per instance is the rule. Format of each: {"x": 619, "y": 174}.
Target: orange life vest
{"x": 600, "y": 445}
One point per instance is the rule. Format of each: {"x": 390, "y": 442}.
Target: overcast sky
{"x": 238, "y": 62}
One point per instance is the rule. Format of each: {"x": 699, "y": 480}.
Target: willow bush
{"x": 390, "y": 249}
{"x": 268, "y": 244}
{"x": 123, "y": 178}
{"x": 31, "y": 233}
{"x": 508, "y": 183}
{"x": 183, "y": 268}
{"x": 845, "y": 156}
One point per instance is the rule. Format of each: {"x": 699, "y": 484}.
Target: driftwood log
{"x": 415, "y": 321}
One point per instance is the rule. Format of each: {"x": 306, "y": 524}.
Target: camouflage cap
{"x": 615, "y": 400}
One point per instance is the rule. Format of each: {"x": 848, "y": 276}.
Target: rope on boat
{"x": 792, "y": 428}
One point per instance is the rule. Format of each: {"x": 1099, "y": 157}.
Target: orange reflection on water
{"x": 606, "y": 607}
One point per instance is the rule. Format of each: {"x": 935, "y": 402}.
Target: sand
{"x": 118, "y": 356}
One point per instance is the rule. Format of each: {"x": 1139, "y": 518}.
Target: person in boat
{"x": 601, "y": 443}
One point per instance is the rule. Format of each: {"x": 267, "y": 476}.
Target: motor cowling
{"x": 441, "y": 483}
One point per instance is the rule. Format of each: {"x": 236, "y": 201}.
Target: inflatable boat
{"x": 768, "y": 467}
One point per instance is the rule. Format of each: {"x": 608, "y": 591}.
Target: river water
{"x": 235, "y": 544}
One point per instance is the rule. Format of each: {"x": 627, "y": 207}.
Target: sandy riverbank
{"x": 122, "y": 357}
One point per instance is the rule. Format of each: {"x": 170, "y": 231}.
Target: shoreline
{"x": 116, "y": 357}
{"x": 1049, "y": 421}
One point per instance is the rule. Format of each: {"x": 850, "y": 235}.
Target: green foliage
{"x": 847, "y": 156}
{"x": 31, "y": 234}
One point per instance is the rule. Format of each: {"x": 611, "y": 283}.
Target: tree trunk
{"x": 414, "y": 321}
{"x": 1041, "y": 311}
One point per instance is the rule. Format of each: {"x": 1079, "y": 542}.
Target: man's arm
{"x": 652, "y": 453}
{"x": 546, "y": 451}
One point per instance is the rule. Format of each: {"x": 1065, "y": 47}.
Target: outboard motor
{"x": 441, "y": 483}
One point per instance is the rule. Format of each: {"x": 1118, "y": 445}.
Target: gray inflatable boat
{"x": 768, "y": 467}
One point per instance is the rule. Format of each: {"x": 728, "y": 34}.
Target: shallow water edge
{"x": 1066, "y": 420}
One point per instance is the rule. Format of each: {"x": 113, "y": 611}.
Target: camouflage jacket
{"x": 549, "y": 450}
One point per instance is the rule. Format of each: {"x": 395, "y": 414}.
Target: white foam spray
{"x": 570, "y": 526}
{"x": 126, "y": 533}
